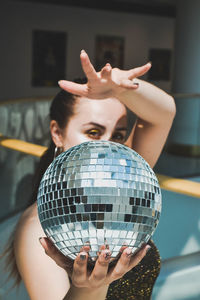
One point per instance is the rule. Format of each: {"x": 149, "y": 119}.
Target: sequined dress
{"x": 138, "y": 283}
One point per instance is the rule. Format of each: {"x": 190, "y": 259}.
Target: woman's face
{"x": 95, "y": 120}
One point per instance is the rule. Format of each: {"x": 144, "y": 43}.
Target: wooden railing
{"x": 21, "y": 146}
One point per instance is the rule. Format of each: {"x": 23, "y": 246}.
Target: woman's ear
{"x": 56, "y": 134}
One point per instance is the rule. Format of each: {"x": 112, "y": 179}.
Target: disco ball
{"x": 98, "y": 193}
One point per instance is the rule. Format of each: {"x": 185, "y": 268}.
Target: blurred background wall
{"x": 18, "y": 20}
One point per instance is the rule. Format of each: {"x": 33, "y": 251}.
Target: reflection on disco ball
{"x": 96, "y": 193}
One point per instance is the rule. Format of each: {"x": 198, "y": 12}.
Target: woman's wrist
{"x": 148, "y": 102}
{"x": 122, "y": 93}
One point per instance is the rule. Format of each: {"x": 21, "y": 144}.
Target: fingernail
{"x": 107, "y": 255}
{"x": 136, "y": 83}
{"x": 148, "y": 248}
{"x": 59, "y": 82}
{"x": 82, "y": 256}
{"x": 128, "y": 252}
{"x": 82, "y": 51}
{"x": 150, "y": 62}
{"x": 40, "y": 239}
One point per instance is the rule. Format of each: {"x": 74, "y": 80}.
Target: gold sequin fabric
{"x": 138, "y": 283}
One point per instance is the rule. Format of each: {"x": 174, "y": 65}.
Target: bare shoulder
{"x": 29, "y": 224}
{"x": 26, "y": 239}
{"x": 50, "y": 281}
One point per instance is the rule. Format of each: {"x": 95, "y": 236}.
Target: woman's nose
{"x": 106, "y": 137}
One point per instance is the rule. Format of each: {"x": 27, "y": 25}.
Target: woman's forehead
{"x": 106, "y": 107}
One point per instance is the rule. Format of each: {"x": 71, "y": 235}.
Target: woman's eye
{"x": 94, "y": 133}
{"x": 118, "y": 137}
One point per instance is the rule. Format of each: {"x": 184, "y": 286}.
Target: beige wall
{"x": 19, "y": 19}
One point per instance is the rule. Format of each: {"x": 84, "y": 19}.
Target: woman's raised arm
{"x": 154, "y": 108}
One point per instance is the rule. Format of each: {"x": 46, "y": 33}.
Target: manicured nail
{"x": 128, "y": 252}
{"x": 82, "y": 256}
{"x": 107, "y": 255}
{"x": 148, "y": 247}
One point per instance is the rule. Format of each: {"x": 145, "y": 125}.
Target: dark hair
{"x": 61, "y": 110}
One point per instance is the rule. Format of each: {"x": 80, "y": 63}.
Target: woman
{"x": 96, "y": 111}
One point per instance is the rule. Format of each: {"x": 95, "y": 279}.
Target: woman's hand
{"x": 101, "y": 275}
{"x": 108, "y": 82}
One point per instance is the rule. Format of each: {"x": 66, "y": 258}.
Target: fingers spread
{"x": 87, "y": 66}
{"x": 74, "y": 88}
{"x": 139, "y": 256}
{"x": 122, "y": 265}
{"x": 106, "y": 71}
{"x": 129, "y": 84}
{"x": 100, "y": 270}
{"x": 137, "y": 72}
{"x": 51, "y": 250}
{"x": 79, "y": 275}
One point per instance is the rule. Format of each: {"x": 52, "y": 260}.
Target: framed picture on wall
{"x": 109, "y": 49}
{"x": 49, "y": 57}
{"x": 161, "y": 64}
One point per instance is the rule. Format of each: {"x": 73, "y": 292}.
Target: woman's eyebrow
{"x": 94, "y": 124}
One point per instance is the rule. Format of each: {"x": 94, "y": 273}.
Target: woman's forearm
{"x": 75, "y": 293}
{"x": 155, "y": 110}
{"x": 149, "y": 103}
